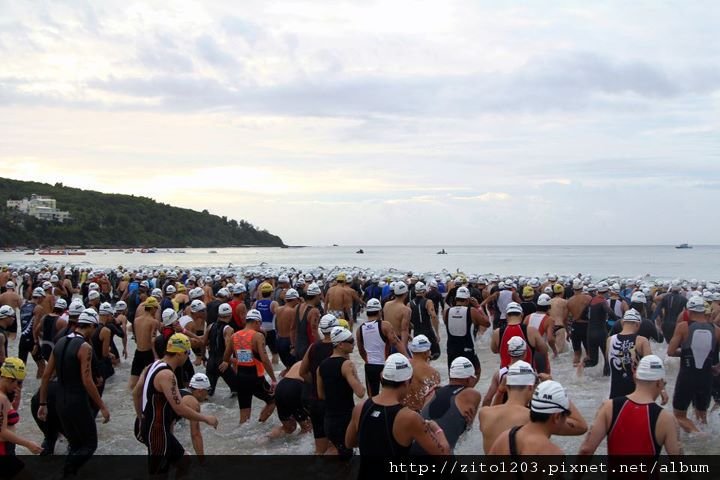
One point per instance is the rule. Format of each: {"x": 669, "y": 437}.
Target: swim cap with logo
{"x": 224, "y": 310}
{"x": 550, "y": 397}
{"x": 328, "y": 322}
{"x": 373, "y": 305}
{"x": 420, "y": 287}
{"x": 543, "y": 300}
{"x": 516, "y": 347}
{"x": 312, "y": 290}
{"x": 514, "y": 308}
{"x": 400, "y": 288}
{"x": 14, "y": 368}
{"x": 397, "y": 368}
{"x": 169, "y": 317}
{"x": 199, "y": 306}
{"x": 120, "y": 306}
{"x": 253, "y": 316}
{"x": 178, "y": 343}
{"x": 200, "y": 381}
{"x": 88, "y": 317}
{"x": 462, "y": 293}
{"x": 420, "y": 344}
{"x": 638, "y": 297}
{"x": 528, "y": 291}
{"x": 696, "y": 304}
{"x": 196, "y": 293}
{"x": 339, "y": 335}
{"x": 461, "y": 367}
{"x": 291, "y": 294}
{"x": 632, "y": 315}
{"x": 520, "y": 373}
{"x": 6, "y": 311}
{"x": 106, "y": 309}
{"x": 650, "y": 368}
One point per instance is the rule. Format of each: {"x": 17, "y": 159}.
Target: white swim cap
{"x": 419, "y": 344}
{"x": 632, "y": 315}
{"x": 462, "y": 293}
{"x": 196, "y": 293}
{"x": 420, "y": 287}
{"x": 61, "y": 304}
{"x": 199, "y": 306}
{"x": 253, "y": 316}
{"x": 461, "y": 368}
{"x": 239, "y": 288}
{"x": 543, "y": 300}
{"x": 89, "y": 317}
{"x": 397, "y": 368}
{"x": 6, "y": 311}
{"x": 156, "y": 292}
{"x": 224, "y": 310}
{"x": 650, "y": 368}
{"x": 577, "y": 284}
{"x": 76, "y": 307}
{"x": 169, "y": 317}
{"x": 328, "y": 322}
{"x": 514, "y": 308}
{"x": 516, "y": 346}
{"x": 373, "y": 305}
{"x": 638, "y": 297}
{"x": 170, "y": 289}
{"x": 339, "y": 335}
{"x": 550, "y": 397}
{"x": 120, "y": 306}
{"x": 223, "y": 292}
{"x": 200, "y": 381}
{"x": 696, "y": 304}
{"x": 92, "y": 286}
{"x": 93, "y": 294}
{"x": 520, "y": 373}
{"x": 312, "y": 290}
{"x": 106, "y": 309}
{"x": 291, "y": 294}
{"x": 400, "y": 288}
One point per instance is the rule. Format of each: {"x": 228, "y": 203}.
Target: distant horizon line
{"x": 518, "y": 245}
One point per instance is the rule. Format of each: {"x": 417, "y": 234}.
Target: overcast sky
{"x": 378, "y": 122}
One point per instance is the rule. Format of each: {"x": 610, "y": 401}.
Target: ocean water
{"x": 701, "y": 262}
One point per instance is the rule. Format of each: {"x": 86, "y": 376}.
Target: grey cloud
{"x": 558, "y": 83}
{"x": 250, "y": 31}
{"x": 213, "y": 53}
{"x": 161, "y": 54}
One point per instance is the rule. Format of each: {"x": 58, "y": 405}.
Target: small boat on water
{"x": 60, "y": 252}
{"x": 212, "y": 251}
{"x": 360, "y": 251}
{"x": 442, "y": 252}
{"x": 683, "y": 246}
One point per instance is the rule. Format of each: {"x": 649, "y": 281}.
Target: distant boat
{"x": 335, "y": 244}
{"x": 360, "y": 251}
{"x": 442, "y": 252}
{"x": 212, "y": 251}
{"x": 683, "y": 245}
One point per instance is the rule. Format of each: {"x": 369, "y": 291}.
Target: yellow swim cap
{"x": 341, "y": 277}
{"x": 559, "y": 289}
{"x": 343, "y": 323}
{"x": 528, "y": 291}
{"x": 178, "y": 343}
{"x": 180, "y": 287}
{"x": 13, "y": 368}
{"x": 266, "y": 288}
{"x": 151, "y": 302}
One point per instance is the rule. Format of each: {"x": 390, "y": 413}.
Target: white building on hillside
{"x": 42, "y": 208}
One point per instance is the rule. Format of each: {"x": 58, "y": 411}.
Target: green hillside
{"x": 104, "y": 220}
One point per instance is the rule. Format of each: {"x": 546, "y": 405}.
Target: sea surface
{"x": 666, "y": 262}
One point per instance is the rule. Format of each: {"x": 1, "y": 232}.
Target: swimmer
{"x": 192, "y": 397}
{"x": 549, "y": 411}
{"x": 268, "y": 309}
{"x": 459, "y": 321}
{"x": 375, "y": 337}
{"x": 291, "y": 408}
{"x": 381, "y": 426}
{"x": 453, "y": 406}
{"x": 158, "y": 405}
{"x": 145, "y": 328}
{"x": 250, "y": 363}
{"x": 694, "y": 342}
{"x": 425, "y": 378}
{"x": 398, "y": 314}
{"x": 634, "y": 424}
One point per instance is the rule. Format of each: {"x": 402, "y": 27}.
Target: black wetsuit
{"x": 51, "y": 426}
{"x": 598, "y": 313}
{"x": 647, "y": 330}
{"x": 699, "y": 352}
{"x": 216, "y": 351}
{"x": 443, "y": 409}
{"x": 48, "y": 330}
{"x": 304, "y": 334}
{"x": 317, "y": 353}
{"x": 73, "y": 404}
{"x": 376, "y": 438}
{"x": 422, "y": 325}
{"x": 339, "y": 403}
{"x": 27, "y": 342}
{"x": 105, "y": 364}
{"x": 671, "y": 306}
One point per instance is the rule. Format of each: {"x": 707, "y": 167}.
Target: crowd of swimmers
{"x": 191, "y": 330}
